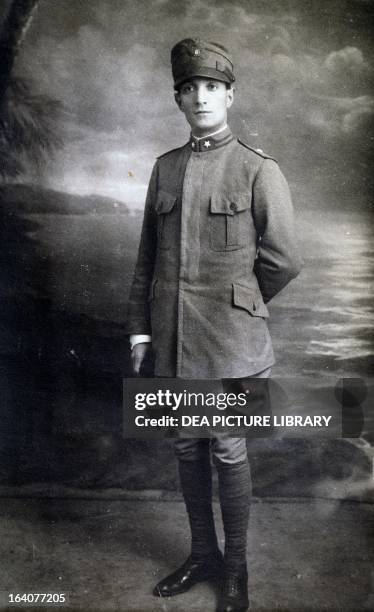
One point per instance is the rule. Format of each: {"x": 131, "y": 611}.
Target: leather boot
{"x": 234, "y": 591}
{"x": 205, "y": 561}
{"x": 189, "y": 574}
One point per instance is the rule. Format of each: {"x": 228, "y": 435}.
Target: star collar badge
{"x": 207, "y": 144}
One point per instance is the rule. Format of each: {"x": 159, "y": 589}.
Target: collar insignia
{"x": 210, "y": 143}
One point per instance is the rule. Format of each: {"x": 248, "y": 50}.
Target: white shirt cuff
{"x": 138, "y": 338}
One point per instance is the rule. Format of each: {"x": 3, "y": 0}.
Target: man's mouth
{"x": 202, "y": 112}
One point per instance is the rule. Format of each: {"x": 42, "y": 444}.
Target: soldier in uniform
{"x": 217, "y": 244}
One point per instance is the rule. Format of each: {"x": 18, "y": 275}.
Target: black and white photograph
{"x": 186, "y": 329}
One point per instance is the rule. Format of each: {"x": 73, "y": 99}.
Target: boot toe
{"x": 189, "y": 574}
{"x": 234, "y": 593}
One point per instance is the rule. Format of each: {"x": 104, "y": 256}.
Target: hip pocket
{"x": 250, "y": 299}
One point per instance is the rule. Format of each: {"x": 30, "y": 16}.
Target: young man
{"x": 217, "y": 243}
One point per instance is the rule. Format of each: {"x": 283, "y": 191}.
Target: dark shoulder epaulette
{"x": 257, "y": 151}
{"x": 168, "y": 152}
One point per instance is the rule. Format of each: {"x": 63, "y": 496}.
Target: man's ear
{"x": 178, "y": 100}
{"x": 229, "y": 97}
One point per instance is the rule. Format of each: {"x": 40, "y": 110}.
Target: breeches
{"x": 223, "y": 447}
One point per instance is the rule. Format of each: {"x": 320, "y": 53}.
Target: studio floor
{"x": 303, "y": 554}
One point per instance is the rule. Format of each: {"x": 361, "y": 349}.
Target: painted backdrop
{"x": 305, "y": 96}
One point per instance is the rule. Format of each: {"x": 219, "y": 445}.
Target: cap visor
{"x": 205, "y": 72}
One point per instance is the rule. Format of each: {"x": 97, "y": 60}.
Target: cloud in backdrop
{"x": 304, "y": 88}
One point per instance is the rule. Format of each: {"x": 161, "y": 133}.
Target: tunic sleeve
{"x": 278, "y": 260}
{"x": 138, "y": 315}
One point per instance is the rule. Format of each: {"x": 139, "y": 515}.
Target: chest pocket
{"x": 166, "y": 211}
{"x": 229, "y": 221}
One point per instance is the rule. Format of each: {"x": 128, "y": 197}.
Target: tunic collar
{"x": 211, "y": 142}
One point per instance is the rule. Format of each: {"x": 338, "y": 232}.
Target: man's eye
{"x": 212, "y": 86}
{"x": 187, "y": 88}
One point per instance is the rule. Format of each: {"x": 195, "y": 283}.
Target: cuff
{"x": 138, "y": 338}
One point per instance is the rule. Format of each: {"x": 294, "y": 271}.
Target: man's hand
{"x": 141, "y": 357}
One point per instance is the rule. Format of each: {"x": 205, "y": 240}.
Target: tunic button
{"x": 233, "y": 207}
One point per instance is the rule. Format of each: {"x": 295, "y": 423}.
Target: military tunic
{"x": 217, "y": 243}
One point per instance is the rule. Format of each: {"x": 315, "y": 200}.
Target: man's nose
{"x": 200, "y": 96}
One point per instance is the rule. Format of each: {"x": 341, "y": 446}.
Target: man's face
{"x": 204, "y": 103}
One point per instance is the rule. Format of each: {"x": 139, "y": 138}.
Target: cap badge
{"x": 197, "y": 52}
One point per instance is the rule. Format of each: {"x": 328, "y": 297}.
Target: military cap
{"x": 192, "y": 57}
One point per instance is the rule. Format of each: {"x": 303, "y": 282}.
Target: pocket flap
{"x": 165, "y": 202}
{"x": 250, "y": 299}
{"x": 230, "y": 204}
